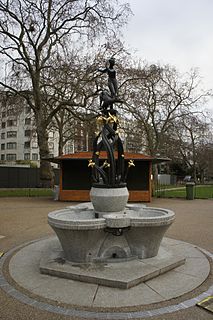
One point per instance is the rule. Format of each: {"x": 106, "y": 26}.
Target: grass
{"x": 204, "y": 192}
{"x": 200, "y": 192}
{"x": 26, "y": 192}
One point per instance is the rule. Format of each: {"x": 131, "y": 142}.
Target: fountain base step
{"x": 117, "y": 275}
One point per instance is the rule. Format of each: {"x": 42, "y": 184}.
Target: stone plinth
{"x": 123, "y": 275}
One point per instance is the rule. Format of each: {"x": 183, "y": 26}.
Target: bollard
{"x": 56, "y": 193}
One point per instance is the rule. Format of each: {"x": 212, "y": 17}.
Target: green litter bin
{"x": 190, "y": 190}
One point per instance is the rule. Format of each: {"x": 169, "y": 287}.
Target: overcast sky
{"x": 178, "y": 32}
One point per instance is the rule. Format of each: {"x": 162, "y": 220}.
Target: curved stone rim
{"x": 23, "y": 298}
{"x": 73, "y": 224}
{"x": 106, "y": 191}
{"x": 166, "y": 218}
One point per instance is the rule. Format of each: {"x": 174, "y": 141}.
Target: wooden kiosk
{"x": 76, "y": 187}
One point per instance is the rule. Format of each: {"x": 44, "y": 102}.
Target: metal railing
{"x": 201, "y": 191}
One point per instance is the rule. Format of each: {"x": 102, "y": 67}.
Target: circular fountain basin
{"x": 75, "y": 218}
{"x": 148, "y": 216}
{"x": 85, "y": 238}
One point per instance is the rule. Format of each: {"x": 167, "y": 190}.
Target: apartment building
{"x": 18, "y": 138}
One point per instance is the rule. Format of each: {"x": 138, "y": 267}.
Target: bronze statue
{"x": 112, "y": 81}
{"x": 107, "y": 99}
{"x": 111, "y": 173}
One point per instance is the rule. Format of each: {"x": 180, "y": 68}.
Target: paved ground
{"x": 24, "y": 219}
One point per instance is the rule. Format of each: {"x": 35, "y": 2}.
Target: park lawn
{"x": 204, "y": 192}
{"x": 175, "y": 193}
{"x": 26, "y": 192}
{"x": 201, "y": 192}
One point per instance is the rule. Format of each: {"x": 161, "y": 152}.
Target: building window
{"x": 27, "y": 156}
{"x": 3, "y": 135}
{"x": 11, "y": 134}
{"x": 11, "y": 123}
{"x": 34, "y": 144}
{"x": 35, "y": 156}
{"x": 27, "y": 144}
{"x": 11, "y": 112}
{"x": 3, "y": 114}
{"x": 51, "y": 155}
{"x": 11, "y": 145}
{"x": 27, "y": 121}
{"x": 3, "y": 125}
{"x": 3, "y": 157}
{"x": 51, "y": 145}
{"x": 11, "y": 157}
{"x": 27, "y": 133}
{"x": 3, "y": 146}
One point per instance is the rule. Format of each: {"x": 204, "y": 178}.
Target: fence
{"x": 12, "y": 177}
{"x": 201, "y": 191}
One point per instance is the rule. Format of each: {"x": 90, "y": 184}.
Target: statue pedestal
{"x": 109, "y": 200}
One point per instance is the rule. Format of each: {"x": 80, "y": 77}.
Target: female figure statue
{"x": 112, "y": 82}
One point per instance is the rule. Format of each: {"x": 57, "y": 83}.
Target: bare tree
{"x": 158, "y": 96}
{"x": 75, "y": 84}
{"x": 74, "y": 130}
{"x": 192, "y": 136}
{"x": 32, "y": 33}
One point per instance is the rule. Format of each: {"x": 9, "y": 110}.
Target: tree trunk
{"x": 202, "y": 175}
{"x": 195, "y": 173}
{"x": 61, "y": 142}
{"x": 46, "y": 172}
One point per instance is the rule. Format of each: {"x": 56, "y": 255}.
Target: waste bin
{"x": 190, "y": 190}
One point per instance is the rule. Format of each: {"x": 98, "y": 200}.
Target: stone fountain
{"x": 101, "y": 238}
{"x": 134, "y": 234}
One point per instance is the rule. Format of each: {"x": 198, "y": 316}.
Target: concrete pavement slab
{"x": 69, "y": 292}
{"x": 174, "y": 284}
{"x": 195, "y": 267}
{"x": 24, "y": 270}
{"x": 184, "y": 248}
{"x": 139, "y": 295}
